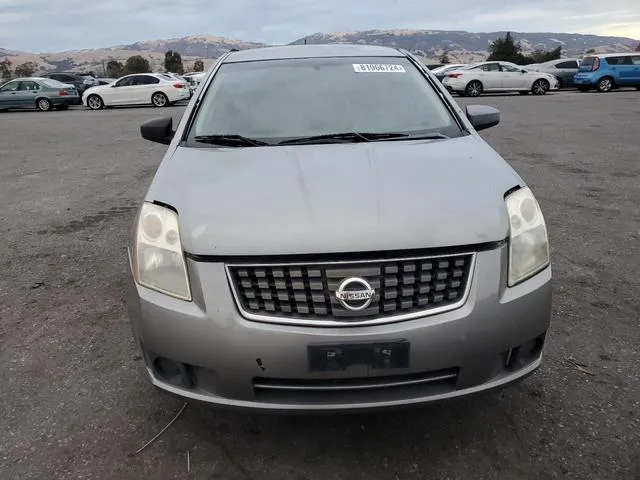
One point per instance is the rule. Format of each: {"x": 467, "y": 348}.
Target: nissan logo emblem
{"x": 355, "y": 294}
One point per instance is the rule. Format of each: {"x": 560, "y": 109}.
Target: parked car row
{"x": 602, "y": 72}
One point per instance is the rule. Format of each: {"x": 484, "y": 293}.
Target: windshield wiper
{"x": 231, "y": 140}
{"x": 347, "y": 137}
{"x": 427, "y": 136}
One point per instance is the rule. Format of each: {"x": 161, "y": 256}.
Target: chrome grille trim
{"x": 388, "y": 382}
{"x": 333, "y": 322}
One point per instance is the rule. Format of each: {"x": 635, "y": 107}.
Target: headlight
{"x": 528, "y": 244}
{"x": 158, "y": 257}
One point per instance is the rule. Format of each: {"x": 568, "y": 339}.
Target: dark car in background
{"x": 563, "y": 69}
{"x": 81, "y": 82}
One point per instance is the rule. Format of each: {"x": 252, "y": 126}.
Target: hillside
{"x": 468, "y": 46}
{"x": 462, "y": 47}
{"x": 191, "y": 48}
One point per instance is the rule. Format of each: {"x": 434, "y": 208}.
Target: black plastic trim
{"x": 346, "y": 256}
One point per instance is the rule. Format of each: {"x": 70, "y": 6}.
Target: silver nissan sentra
{"x": 328, "y": 232}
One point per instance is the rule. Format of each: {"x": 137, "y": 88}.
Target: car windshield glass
{"x": 285, "y": 99}
{"x": 53, "y": 83}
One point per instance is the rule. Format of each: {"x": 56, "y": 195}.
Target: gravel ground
{"x": 74, "y": 399}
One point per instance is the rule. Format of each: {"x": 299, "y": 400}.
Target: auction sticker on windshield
{"x": 377, "y": 68}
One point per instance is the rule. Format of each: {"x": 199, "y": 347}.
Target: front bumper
{"x": 224, "y": 359}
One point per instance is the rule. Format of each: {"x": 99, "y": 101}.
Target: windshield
{"x": 285, "y": 99}
{"x": 54, "y": 83}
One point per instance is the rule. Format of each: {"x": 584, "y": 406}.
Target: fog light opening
{"x": 523, "y": 355}
{"x": 172, "y": 372}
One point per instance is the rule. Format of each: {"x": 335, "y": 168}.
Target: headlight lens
{"x": 159, "y": 260}
{"x": 528, "y": 245}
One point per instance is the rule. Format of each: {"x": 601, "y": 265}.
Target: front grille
{"x": 306, "y": 293}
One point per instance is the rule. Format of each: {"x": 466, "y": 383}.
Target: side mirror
{"x": 483, "y": 117}
{"x": 523, "y": 71}
{"x": 159, "y": 130}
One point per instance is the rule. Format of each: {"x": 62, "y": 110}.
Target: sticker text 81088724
{"x": 377, "y": 68}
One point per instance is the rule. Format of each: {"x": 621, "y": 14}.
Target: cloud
{"x": 15, "y": 18}
{"x": 42, "y": 25}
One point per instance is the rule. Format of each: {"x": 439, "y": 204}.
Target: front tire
{"x": 474, "y": 89}
{"x": 540, "y": 87}
{"x": 605, "y": 84}
{"x": 159, "y": 99}
{"x": 43, "y": 105}
{"x": 95, "y": 102}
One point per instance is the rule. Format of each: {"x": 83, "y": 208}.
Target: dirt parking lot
{"x": 74, "y": 399}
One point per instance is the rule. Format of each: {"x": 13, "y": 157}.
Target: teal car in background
{"x": 42, "y": 94}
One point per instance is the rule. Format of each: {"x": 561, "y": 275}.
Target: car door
{"x": 122, "y": 92}
{"x": 9, "y": 95}
{"x": 145, "y": 86}
{"x": 565, "y": 71}
{"x": 635, "y": 60}
{"x": 490, "y": 76}
{"x": 27, "y": 93}
{"x": 513, "y": 78}
{"x": 622, "y": 68}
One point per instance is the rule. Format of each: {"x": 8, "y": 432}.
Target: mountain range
{"x": 461, "y": 47}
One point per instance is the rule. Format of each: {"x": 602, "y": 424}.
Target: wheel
{"x": 159, "y": 99}
{"x": 524, "y": 92}
{"x": 540, "y": 87}
{"x": 95, "y": 102}
{"x": 43, "y": 105}
{"x": 62, "y": 107}
{"x": 474, "y": 89}
{"x": 605, "y": 84}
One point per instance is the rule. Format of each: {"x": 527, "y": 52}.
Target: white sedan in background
{"x": 488, "y": 77}
{"x": 154, "y": 89}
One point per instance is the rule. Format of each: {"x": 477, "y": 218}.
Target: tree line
{"x": 113, "y": 68}
{"x": 506, "y": 49}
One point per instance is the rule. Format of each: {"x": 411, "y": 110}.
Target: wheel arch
{"x": 43, "y": 97}
{"x": 96, "y": 94}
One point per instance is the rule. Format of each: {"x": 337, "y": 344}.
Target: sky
{"x": 51, "y": 26}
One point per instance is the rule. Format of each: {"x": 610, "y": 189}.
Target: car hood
{"x": 337, "y": 197}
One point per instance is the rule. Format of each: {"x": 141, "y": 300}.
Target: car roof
{"x": 311, "y": 51}
{"x": 607, "y": 55}
{"x": 29, "y": 79}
